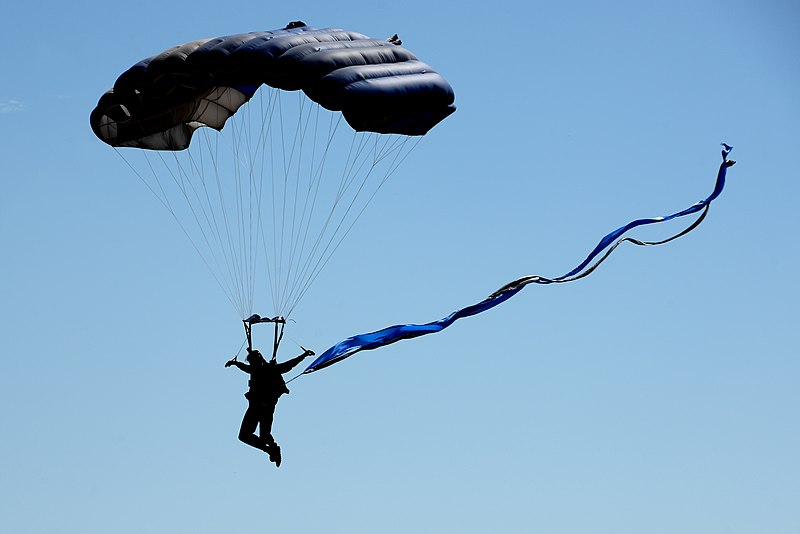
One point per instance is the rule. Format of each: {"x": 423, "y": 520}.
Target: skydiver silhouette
{"x": 266, "y": 386}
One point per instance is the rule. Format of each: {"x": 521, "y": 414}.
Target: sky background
{"x": 659, "y": 395}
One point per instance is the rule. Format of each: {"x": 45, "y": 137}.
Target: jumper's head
{"x": 254, "y": 356}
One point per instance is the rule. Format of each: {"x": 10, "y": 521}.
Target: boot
{"x": 274, "y": 451}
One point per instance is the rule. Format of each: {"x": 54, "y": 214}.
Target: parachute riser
{"x": 280, "y": 324}
{"x": 249, "y": 336}
{"x": 278, "y": 337}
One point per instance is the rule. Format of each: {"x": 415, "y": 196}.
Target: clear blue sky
{"x": 659, "y": 395}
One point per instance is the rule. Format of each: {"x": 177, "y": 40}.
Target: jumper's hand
{"x": 230, "y": 362}
{"x": 307, "y": 353}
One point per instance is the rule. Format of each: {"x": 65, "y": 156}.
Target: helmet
{"x": 254, "y": 355}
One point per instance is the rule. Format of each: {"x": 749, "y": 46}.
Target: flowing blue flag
{"x": 611, "y": 241}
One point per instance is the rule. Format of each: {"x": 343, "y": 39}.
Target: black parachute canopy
{"x": 378, "y": 86}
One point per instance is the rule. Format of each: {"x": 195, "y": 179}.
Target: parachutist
{"x": 266, "y": 386}
{"x": 395, "y": 40}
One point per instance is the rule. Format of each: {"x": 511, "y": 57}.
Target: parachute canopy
{"x": 378, "y": 86}
{"x": 268, "y": 192}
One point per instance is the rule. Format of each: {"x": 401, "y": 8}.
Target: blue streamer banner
{"x": 611, "y": 241}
